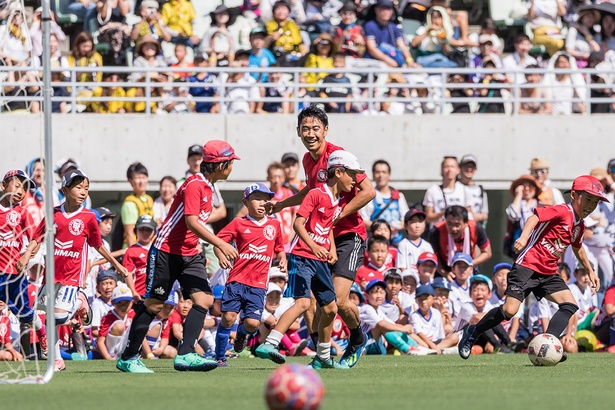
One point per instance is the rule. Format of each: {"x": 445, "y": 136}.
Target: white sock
{"x": 37, "y": 324}
{"x": 57, "y": 350}
{"x": 209, "y": 339}
{"x": 274, "y": 338}
{"x": 323, "y": 351}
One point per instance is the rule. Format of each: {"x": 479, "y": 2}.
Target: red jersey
{"x": 319, "y": 209}
{"x": 135, "y": 261}
{"x": 5, "y": 328}
{"x": 257, "y": 244}
{"x": 110, "y": 318}
{"x": 194, "y": 197}
{"x": 285, "y": 216}
{"x": 15, "y": 223}
{"x": 74, "y": 232}
{"x": 316, "y": 174}
{"x": 370, "y": 272}
{"x": 557, "y": 228}
{"x": 391, "y": 260}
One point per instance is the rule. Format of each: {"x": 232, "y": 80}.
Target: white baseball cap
{"x": 344, "y": 159}
{"x": 275, "y": 272}
{"x": 272, "y": 287}
{"x": 120, "y": 293}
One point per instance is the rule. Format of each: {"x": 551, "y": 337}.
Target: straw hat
{"x": 526, "y": 179}
{"x": 148, "y": 39}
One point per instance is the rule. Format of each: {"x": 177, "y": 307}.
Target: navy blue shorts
{"x": 306, "y": 276}
{"x": 247, "y": 299}
{"x": 14, "y": 292}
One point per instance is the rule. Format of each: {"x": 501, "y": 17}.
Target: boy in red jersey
{"x": 257, "y": 238}
{"x": 349, "y": 229}
{"x": 545, "y": 237}
{"x": 135, "y": 258}
{"x": 311, "y": 251}
{"x": 76, "y": 228}
{"x": 17, "y": 224}
{"x": 174, "y": 256}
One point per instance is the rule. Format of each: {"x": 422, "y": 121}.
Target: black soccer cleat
{"x": 467, "y": 341}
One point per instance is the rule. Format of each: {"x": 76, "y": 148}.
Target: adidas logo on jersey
{"x": 142, "y": 255}
{"x": 321, "y": 210}
{"x": 247, "y": 231}
{"x": 159, "y": 290}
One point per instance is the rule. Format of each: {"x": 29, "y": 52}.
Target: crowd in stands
{"x": 423, "y": 260}
{"x": 354, "y": 35}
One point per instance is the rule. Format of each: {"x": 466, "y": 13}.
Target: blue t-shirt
{"x": 264, "y": 59}
{"x": 209, "y": 89}
{"x": 382, "y": 34}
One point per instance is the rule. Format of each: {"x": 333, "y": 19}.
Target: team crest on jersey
{"x": 76, "y": 227}
{"x": 322, "y": 175}
{"x": 575, "y": 233}
{"x": 269, "y": 232}
{"x": 13, "y": 218}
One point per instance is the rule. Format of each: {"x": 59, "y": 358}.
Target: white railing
{"x": 368, "y": 93}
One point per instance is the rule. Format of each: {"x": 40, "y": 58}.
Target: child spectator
{"x": 582, "y": 292}
{"x": 151, "y": 23}
{"x": 258, "y": 239}
{"x": 409, "y": 283}
{"x": 148, "y": 55}
{"x": 168, "y": 188}
{"x": 284, "y": 36}
{"x": 462, "y": 268}
{"x": 275, "y": 88}
{"x": 209, "y": 87}
{"x": 106, "y": 282}
{"x": 356, "y": 295}
{"x": 500, "y": 283}
{"x": 534, "y": 90}
{"x": 442, "y": 290}
{"x": 7, "y": 350}
{"x": 109, "y": 107}
{"x": 489, "y": 107}
{"x": 217, "y": 41}
{"x": 427, "y": 320}
{"x": 426, "y": 266}
{"x": 321, "y": 56}
{"x": 136, "y": 204}
{"x": 433, "y": 40}
{"x": 135, "y": 258}
{"x": 156, "y": 344}
{"x": 397, "y": 305}
{"x": 411, "y": 247}
{"x": 240, "y": 91}
{"x": 276, "y": 179}
{"x": 180, "y": 57}
{"x": 96, "y": 262}
{"x": 382, "y": 228}
{"x": 605, "y": 322}
{"x": 377, "y": 251}
{"x": 349, "y": 35}
{"x": 115, "y": 324}
{"x": 340, "y": 89}
{"x": 278, "y": 277}
{"x": 259, "y": 55}
{"x": 178, "y": 16}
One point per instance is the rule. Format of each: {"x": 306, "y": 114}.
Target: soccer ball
{"x": 294, "y": 387}
{"x": 545, "y": 350}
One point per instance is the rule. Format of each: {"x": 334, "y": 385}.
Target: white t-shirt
{"x": 496, "y": 301}
{"x": 546, "y": 13}
{"x": 285, "y": 304}
{"x": 440, "y": 198}
{"x": 563, "y": 92}
{"x": 431, "y": 326}
{"x": 543, "y": 309}
{"x": 160, "y": 211}
{"x": 408, "y": 253}
{"x": 392, "y": 311}
{"x": 240, "y": 95}
{"x": 584, "y": 299}
{"x": 478, "y": 199}
{"x": 513, "y": 61}
{"x": 99, "y": 310}
{"x": 459, "y": 296}
{"x": 370, "y": 317}
{"x": 468, "y": 310}
{"x": 571, "y": 260}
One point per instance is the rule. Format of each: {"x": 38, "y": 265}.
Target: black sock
{"x": 138, "y": 330}
{"x": 502, "y": 334}
{"x": 314, "y": 337}
{"x": 493, "y": 318}
{"x": 357, "y": 336}
{"x": 192, "y": 329}
{"x": 560, "y": 319}
{"x": 489, "y": 335}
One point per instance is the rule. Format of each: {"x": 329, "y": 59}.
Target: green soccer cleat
{"x": 192, "y": 362}
{"x": 353, "y": 353}
{"x": 318, "y": 364}
{"x": 269, "y": 351}
{"x": 132, "y": 366}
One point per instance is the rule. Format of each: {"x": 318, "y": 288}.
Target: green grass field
{"x": 585, "y": 381}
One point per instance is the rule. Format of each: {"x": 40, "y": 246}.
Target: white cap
{"x": 120, "y": 293}
{"x": 272, "y": 287}
{"x": 344, "y": 159}
{"x": 275, "y": 272}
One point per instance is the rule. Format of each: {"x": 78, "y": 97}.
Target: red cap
{"x": 427, "y": 256}
{"x": 218, "y": 151}
{"x": 589, "y": 184}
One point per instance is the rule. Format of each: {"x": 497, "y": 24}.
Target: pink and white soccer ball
{"x": 294, "y": 387}
{"x": 545, "y": 350}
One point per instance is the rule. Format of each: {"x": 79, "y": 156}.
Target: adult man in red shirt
{"x": 349, "y": 229}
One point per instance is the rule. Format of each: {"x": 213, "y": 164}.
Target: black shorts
{"x": 350, "y": 249}
{"x": 163, "y": 269}
{"x": 522, "y": 281}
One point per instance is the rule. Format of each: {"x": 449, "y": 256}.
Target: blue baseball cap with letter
{"x": 257, "y": 187}
{"x": 441, "y": 283}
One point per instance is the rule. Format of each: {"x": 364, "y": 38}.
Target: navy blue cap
{"x": 18, "y": 173}
{"x": 462, "y": 257}
{"x": 441, "y": 283}
{"x": 424, "y": 290}
{"x": 106, "y": 274}
{"x": 373, "y": 283}
{"x": 68, "y": 178}
{"x": 256, "y": 187}
{"x": 502, "y": 265}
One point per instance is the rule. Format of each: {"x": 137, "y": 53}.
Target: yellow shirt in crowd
{"x": 291, "y": 35}
{"x": 178, "y": 16}
{"x": 106, "y": 107}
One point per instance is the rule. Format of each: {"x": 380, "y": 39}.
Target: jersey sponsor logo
{"x": 67, "y": 254}
{"x": 6, "y": 242}
{"x": 76, "y": 227}
{"x": 257, "y": 249}
{"x": 63, "y": 245}
{"x": 322, "y": 175}
{"x": 575, "y": 233}
{"x": 321, "y": 230}
{"x": 257, "y": 253}
{"x": 269, "y": 232}
{"x": 557, "y": 249}
{"x": 13, "y": 218}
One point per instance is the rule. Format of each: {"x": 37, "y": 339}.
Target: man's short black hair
{"x": 521, "y": 37}
{"x": 456, "y": 211}
{"x": 381, "y": 162}
{"x": 136, "y": 168}
{"x": 377, "y": 239}
{"x": 313, "y": 111}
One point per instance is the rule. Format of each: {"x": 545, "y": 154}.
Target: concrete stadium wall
{"x": 414, "y": 145}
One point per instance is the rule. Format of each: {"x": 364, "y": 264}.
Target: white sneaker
{"x": 451, "y": 350}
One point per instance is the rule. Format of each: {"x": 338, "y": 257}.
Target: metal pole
{"x": 49, "y": 238}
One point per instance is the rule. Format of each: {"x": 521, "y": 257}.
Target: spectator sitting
{"x": 459, "y": 107}
{"x": 384, "y": 40}
{"x": 411, "y": 247}
{"x": 115, "y": 324}
{"x": 479, "y": 205}
{"x": 27, "y": 86}
{"x": 397, "y": 305}
{"x": 217, "y": 41}
{"x": 84, "y": 55}
{"x": 180, "y": 56}
{"x": 259, "y": 55}
{"x": 605, "y": 322}
{"x": 572, "y": 10}
{"x": 56, "y": 60}
{"x": 113, "y": 28}
{"x": 240, "y": 91}
{"x": 151, "y": 23}
{"x": 276, "y": 88}
{"x": 156, "y": 344}
{"x": 377, "y": 251}
{"x": 7, "y": 350}
{"x": 488, "y": 27}
{"x": 426, "y": 266}
{"x": 110, "y": 107}
{"x": 433, "y": 40}
{"x": 535, "y": 91}
{"x": 297, "y": 10}
{"x": 85, "y": 10}
{"x": 580, "y": 41}
{"x": 177, "y": 98}
{"x": 178, "y": 16}
{"x": 36, "y": 32}
{"x": 606, "y": 37}
{"x": 284, "y": 36}
{"x": 519, "y": 59}
{"x": 342, "y": 88}
{"x": 168, "y": 188}
{"x": 491, "y": 78}
{"x": 140, "y": 106}
{"x": 349, "y": 35}
{"x": 382, "y": 228}
{"x": 106, "y": 282}
{"x": 320, "y": 57}
{"x": 460, "y": 22}
{"x": 318, "y": 15}
{"x": 148, "y": 53}
{"x": 544, "y": 17}
{"x": 539, "y": 168}
{"x": 486, "y": 51}
{"x": 15, "y": 44}
{"x": 450, "y": 192}
{"x": 209, "y": 87}
{"x": 427, "y": 320}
